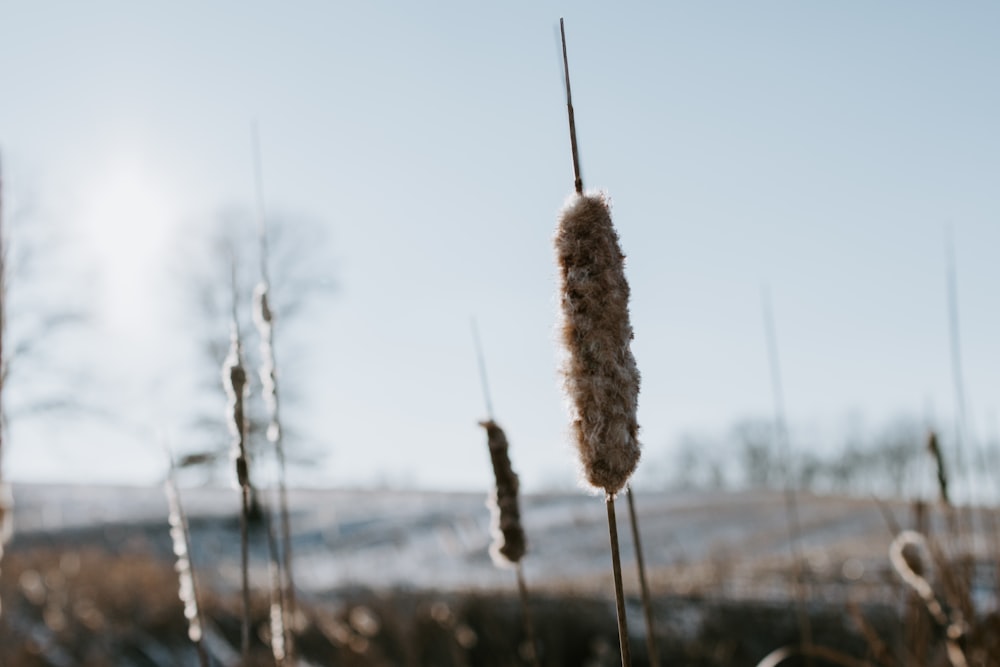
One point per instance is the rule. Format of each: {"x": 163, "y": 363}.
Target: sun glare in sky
{"x": 127, "y": 214}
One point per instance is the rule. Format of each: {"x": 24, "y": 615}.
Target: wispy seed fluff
{"x": 509, "y": 543}
{"x": 600, "y": 375}
{"x": 234, "y": 378}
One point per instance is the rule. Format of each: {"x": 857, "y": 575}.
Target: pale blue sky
{"x": 822, "y": 148}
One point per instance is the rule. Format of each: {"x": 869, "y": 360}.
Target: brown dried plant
{"x": 282, "y": 619}
{"x": 234, "y": 379}
{"x": 600, "y": 373}
{"x": 509, "y": 543}
{"x": 180, "y": 537}
{"x": 6, "y": 499}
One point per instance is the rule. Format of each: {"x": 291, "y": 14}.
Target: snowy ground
{"x": 735, "y": 543}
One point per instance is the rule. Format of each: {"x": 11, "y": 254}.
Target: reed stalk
{"x": 509, "y": 542}
{"x": 600, "y": 375}
{"x": 790, "y": 493}
{"x": 180, "y": 536}
{"x": 616, "y": 561}
{"x": 647, "y": 599}
{"x": 942, "y": 473}
{"x": 234, "y": 379}
{"x": 6, "y": 498}
{"x": 529, "y": 623}
{"x": 264, "y": 321}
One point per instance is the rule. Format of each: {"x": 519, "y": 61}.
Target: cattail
{"x": 180, "y": 537}
{"x": 942, "y": 474}
{"x": 263, "y": 319}
{"x": 601, "y": 377}
{"x": 509, "y": 543}
{"x": 234, "y": 379}
{"x": 954, "y": 626}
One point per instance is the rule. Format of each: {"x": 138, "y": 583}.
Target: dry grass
{"x": 93, "y": 608}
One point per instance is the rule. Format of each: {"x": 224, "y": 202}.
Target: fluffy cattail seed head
{"x": 600, "y": 375}
{"x": 509, "y": 543}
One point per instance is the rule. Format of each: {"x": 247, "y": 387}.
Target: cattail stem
{"x": 5, "y": 509}
{"x": 481, "y": 363}
{"x": 955, "y": 341}
{"x": 529, "y": 625}
{"x": 509, "y": 543}
{"x": 577, "y": 180}
{"x": 942, "y": 472}
{"x": 245, "y": 571}
{"x": 616, "y": 563}
{"x": 791, "y": 498}
{"x": 264, "y": 320}
{"x": 276, "y": 612}
{"x": 234, "y": 380}
{"x": 180, "y": 533}
{"x": 647, "y": 600}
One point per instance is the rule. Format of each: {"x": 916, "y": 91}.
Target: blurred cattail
{"x": 234, "y": 379}
{"x": 180, "y": 536}
{"x": 278, "y": 612}
{"x": 906, "y": 566}
{"x": 509, "y": 543}
{"x": 601, "y": 377}
{"x": 942, "y": 474}
{"x": 263, "y": 319}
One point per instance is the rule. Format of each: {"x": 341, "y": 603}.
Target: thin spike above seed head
{"x": 509, "y": 543}
{"x": 600, "y": 375}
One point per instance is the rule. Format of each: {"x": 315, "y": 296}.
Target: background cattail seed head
{"x": 509, "y": 543}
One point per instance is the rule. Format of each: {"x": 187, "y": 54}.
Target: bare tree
{"x": 757, "y": 451}
{"x": 300, "y": 281}
{"x": 39, "y": 320}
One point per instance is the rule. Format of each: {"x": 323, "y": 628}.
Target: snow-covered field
{"x": 734, "y": 543}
